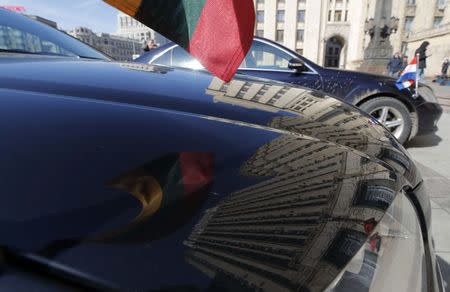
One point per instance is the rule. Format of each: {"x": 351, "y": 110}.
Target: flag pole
{"x": 416, "y": 94}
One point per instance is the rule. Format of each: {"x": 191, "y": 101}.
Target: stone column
{"x": 377, "y": 54}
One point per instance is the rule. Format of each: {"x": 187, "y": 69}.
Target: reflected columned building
{"x": 314, "y": 116}
{"x": 307, "y": 217}
{"x": 289, "y": 229}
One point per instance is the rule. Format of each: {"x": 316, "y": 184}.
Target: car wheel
{"x": 393, "y": 114}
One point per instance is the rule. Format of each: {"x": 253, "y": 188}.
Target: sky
{"x": 94, "y": 14}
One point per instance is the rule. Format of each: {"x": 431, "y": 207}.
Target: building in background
{"x": 423, "y": 20}
{"x": 332, "y": 32}
{"x": 44, "y": 20}
{"x": 320, "y": 30}
{"x": 131, "y": 28}
{"x": 117, "y": 47}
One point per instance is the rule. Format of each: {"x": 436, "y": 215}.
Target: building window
{"x": 409, "y": 23}
{"x": 441, "y": 4}
{"x": 302, "y": 2}
{"x": 299, "y": 51}
{"x": 333, "y": 53}
{"x": 338, "y": 15}
{"x": 260, "y": 2}
{"x": 330, "y": 16}
{"x": 301, "y": 16}
{"x": 280, "y": 15}
{"x": 300, "y": 35}
{"x": 280, "y": 35}
{"x": 437, "y": 21}
{"x": 260, "y": 33}
{"x": 281, "y": 2}
{"x": 260, "y": 16}
{"x": 346, "y": 16}
{"x": 411, "y": 2}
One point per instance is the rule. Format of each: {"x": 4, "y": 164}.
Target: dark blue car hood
{"x": 151, "y": 178}
{"x": 144, "y": 85}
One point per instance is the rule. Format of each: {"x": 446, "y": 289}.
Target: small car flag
{"x": 408, "y": 76}
{"x": 218, "y": 33}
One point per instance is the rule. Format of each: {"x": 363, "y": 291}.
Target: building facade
{"x": 44, "y": 20}
{"x": 424, "y": 20}
{"x": 328, "y": 32}
{"x": 332, "y": 32}
{"x": 117, "y": 47}
{"x": 131, "y": 28}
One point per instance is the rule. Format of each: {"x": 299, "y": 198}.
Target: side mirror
{"x": 297, "y": 65}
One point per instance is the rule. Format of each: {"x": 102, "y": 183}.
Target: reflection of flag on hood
{"x": 408, "y": 76}
{"x": 218, "y": 33}
{"x": 171, "y": 190}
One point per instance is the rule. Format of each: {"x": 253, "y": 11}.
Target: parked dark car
{"x": 132, "y": 177}
{"x": 399, "y": 111}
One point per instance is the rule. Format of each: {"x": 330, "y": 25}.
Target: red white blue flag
{"x": 408, "y": 76}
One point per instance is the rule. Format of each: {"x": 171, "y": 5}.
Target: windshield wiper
{"x": 19, "y": 51}
{"x": 90, "y": 58}
{"x": 15, "y": 51}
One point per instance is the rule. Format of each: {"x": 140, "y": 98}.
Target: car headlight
{"x": 393, "y": 258}
{"x": 427, "y": 94}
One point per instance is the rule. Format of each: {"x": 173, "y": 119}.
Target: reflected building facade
{"x": 314, "y": 116}
{"x": 307, "y": 218}
{"x": 289, "y": 229}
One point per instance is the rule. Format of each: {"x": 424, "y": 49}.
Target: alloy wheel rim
{"x": 391, "y": 118}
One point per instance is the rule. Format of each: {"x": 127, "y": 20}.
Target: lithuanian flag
{"x": 218, "y": 33}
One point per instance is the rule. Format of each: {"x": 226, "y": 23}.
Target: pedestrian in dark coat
{"x": 395, "y": 65}
{"x": 422, "y": 62}
{"x": 445, "y": 65}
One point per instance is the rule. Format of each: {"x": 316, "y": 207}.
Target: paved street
{"x": 443, "y": 93}
{"x": 432, "y": 153}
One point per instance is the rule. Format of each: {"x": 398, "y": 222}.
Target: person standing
{"x": 395, "y": 65}
{"x": 149, "y": 45}
{"x": 405, "y": 63}
{"x": 445, "y": 65}
{"x": 422, "y": 62}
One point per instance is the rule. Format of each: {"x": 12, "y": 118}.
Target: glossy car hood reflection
{"x": 171, "y": 178}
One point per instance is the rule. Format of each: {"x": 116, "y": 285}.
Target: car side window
{"x": 165, "y": 59}
{"x": 264, "y": 56}
{"x": 178, "y": 57}
{"x": 181, "y": 58}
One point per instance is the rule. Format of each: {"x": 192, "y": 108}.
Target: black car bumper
{"x": 429, "y": 115}
{"x": 423, "y": 204}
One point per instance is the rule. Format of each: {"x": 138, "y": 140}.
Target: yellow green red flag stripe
{"x": 218, "y": 33}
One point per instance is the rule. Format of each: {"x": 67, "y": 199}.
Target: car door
{"x": 267, "y": 60}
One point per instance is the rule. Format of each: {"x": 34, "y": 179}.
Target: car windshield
{"x": 19, "y": 34}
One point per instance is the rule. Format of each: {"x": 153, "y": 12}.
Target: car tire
{"x": 396, "y": 112}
